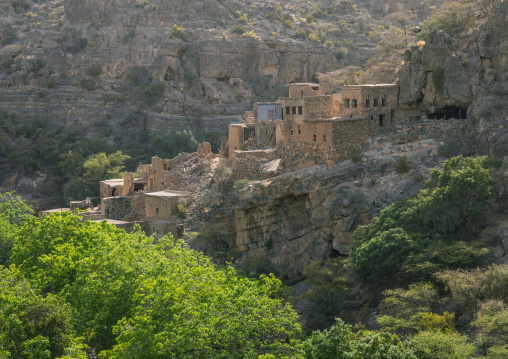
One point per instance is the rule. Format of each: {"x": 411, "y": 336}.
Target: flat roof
{"x": 304, "y": 83}
{"x": 110, "y": 221}
{"x": 335, "y": 119}
{"x": 167, "y": 194}
{"x": 56, "y": 210}
{"x": 114, "y": 181}
{"x": 371, "y": 85}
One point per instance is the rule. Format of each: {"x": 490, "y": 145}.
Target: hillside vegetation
{"x": 120, "y": 295}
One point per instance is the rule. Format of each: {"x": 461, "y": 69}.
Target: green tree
{"x": 13, "y": 213}
{"x": 96, "y": 168}
{"x": 339, "y": 342}
{"x": 192, "y": 310}
{"x": 439, "y": 345}
{"x": 417, "y": 236}
{"x": 33, "y": 326}
{"x": 402, "y": 309}
{"x": 328, "y": 286}
{"x": 163, "y": 299}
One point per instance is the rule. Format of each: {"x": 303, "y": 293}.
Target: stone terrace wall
{"x": 249, "y": 164}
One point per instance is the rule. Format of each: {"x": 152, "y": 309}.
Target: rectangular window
{"x": 314, "y": 138}
{"x": 383, "y": 102}
{"x": 300, "y": 110}
{"x": 355, "y": 104}
{"x": 293, "y": 110}
{"x": 367, "y": 103}
{"x": 375, "y": 102}
{"x": 324, "y": 138}
{"x": 156, "y": 210}
{"x": 291, "y": 132}
{"x": 346, "y": 103}
{"x": 288, "y": 111}
{"x": 299, "y": 131}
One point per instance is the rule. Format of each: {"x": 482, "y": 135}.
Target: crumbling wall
{"x": 253, "y": 165}
{"x": 303, "y": 89}
{"x": 164, "y": 205}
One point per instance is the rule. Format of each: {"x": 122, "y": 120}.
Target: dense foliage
{"x": 131, "y": 298}
{"x": 415, "y": 237}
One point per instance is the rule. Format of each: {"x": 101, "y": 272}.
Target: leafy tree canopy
{"x": 417, "y": 236}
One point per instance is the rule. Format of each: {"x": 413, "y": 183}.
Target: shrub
{"x": 356, "y": 156}
{"x": 438, "y": 345}
{"x": 182, "y": 210}
{"x": 340, "y": 53}
{"x": 437, "y": 323}
{"x": 237, "y": 29}
{"x": 250, "y": 34}
{"x": 287, "y": 23}
{"x": 177, "y": 31}
{"x": 402, "y": 166}
{"x": 51, "y": 84}
{"x": 39, "y": 65}
{"x": 240, "y": 184}
{"x": 94, "y": 70}
{"x": 241, "y": 17}
{"x": 300, "y": 34}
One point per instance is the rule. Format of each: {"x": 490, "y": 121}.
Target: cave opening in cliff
{"x": 448, "y": 112}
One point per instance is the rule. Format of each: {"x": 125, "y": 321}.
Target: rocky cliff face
{"x": 311, "y": 214}
{"x": 465, "y": 74}
{"x": 210, "y": 74}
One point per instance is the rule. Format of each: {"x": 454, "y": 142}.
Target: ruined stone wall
{"x": 250, "y": 164}
{"x": 163, "y": 207}
{"x": 116, "y": 207}
{"x": 305, "y": 89}
{"x": 111, "y": 188}
{"x": 235, "y": 138}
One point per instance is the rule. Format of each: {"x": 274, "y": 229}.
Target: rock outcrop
{"x": 463, "y": 75}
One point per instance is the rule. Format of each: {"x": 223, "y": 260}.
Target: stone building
{"x": 310, "y": 127}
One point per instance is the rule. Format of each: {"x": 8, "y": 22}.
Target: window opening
{"x": 367, "y": 103}
{"x": 355, "y": 104}
{"x": 300, "y": 110}
{"x": 346, "y": 103}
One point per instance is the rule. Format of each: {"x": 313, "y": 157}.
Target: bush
{"x": 177, "y": 31}
{"x": 300, "y": 34}
{"x": 94, "y": 70}
{"x": 438, "y": 345}
{"x": 240, "y": 184}
{"x": 51, "y": 84}
{"x": 287, "y": 23}
{"x": 241, "y": 17}
{"x": 339, "y": 342}
{"x": 182, "y": 210}
{"x": 237, "y": 29}
{"x": 250, "y": 34}
{"x": 356, "y": 156}
{"x": 402, "y": 166}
